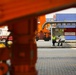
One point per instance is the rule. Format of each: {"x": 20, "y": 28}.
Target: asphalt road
{"x": 56, "y": 61}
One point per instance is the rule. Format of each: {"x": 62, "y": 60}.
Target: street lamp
{"x": 51, "y": 33}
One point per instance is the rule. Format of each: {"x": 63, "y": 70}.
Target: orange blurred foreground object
{"x": 24, "y": 51}
{"x": 12, "y": 9}
{"x": 21, "y": 18}
{"x": 1, "y": 72}
{"x": 4, "y": 68}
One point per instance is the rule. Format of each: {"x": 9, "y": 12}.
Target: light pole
{"x": 51, "y": 33}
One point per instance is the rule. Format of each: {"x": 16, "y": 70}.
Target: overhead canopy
{"x": 58, "y": 23}
{"x": 15, "y": 9}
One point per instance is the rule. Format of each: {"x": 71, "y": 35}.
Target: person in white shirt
{"x": 61, "y": 40}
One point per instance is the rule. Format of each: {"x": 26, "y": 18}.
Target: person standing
{"x": 53, "y": 40}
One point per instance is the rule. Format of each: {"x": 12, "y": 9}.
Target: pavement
{"x": 66, "y": 44}
{"x": 47, "y": 44}
{"x": 56, "y": 61}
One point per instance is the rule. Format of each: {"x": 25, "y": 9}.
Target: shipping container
{"x": 65, "y": 17}
{"x": 69, "y": 27}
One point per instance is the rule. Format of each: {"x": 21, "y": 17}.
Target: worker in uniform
{"x": 53, "y": 40}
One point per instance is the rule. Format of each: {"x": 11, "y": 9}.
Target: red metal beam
{"x": 12, "y": 9}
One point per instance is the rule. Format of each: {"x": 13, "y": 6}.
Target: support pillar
{"x": 23, "y": 50}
